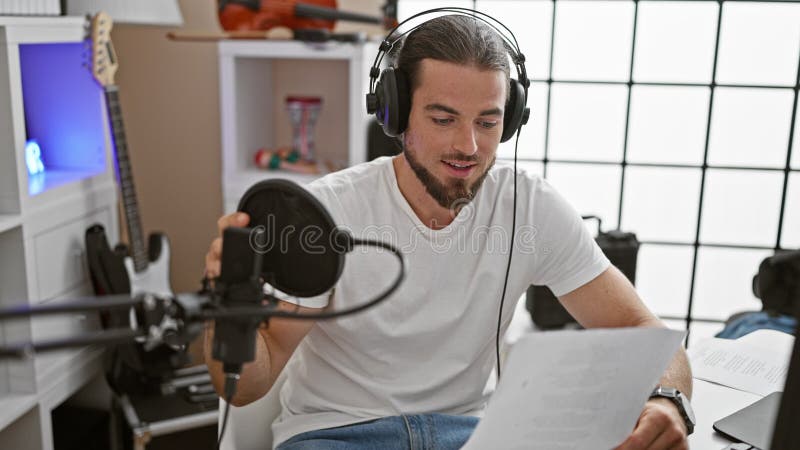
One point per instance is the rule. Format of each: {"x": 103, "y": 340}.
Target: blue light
{"x": 64, "y": 113}
{"x": 33, "y": 157}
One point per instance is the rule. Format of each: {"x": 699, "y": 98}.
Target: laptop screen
{"x": 787, "y": 427}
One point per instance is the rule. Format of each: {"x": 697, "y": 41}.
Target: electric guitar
{"x": 135, "y": 270}
{"x": 147, "y": 268}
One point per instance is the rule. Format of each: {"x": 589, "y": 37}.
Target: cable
{"x": 510, "y": 252}
{"x": 229, "y": 398}
{"x": 269, "y": 312}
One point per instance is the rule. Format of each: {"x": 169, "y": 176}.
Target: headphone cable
{"x": 510, "y": 252}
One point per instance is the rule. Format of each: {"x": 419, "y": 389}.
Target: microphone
{"x": 292, "y": 243}
{"x": 235, "y": 338}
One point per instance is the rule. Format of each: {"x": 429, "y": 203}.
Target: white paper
{"x": 755, "y": 363}
{"x": 574, "y": 389}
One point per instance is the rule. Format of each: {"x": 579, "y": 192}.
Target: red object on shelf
{"x": 249, "y": 15}
{"x": 270, "y": 14}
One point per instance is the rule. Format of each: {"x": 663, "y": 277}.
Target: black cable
{"x": 510, "y": 252}
{"x": 229, "y": 398}
{"x": 270, "y": 312}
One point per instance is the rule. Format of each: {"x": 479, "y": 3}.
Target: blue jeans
{"x": 406, "y": 432}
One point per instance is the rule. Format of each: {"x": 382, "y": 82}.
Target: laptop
{"x": 772, "y": 423}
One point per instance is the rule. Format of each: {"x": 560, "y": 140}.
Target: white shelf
{"x": 9, "y": 221}
{"x": 42, "y": 234}
{"x": 52, "y": 179}
{"x": 14, "y": 406}
{"x": 290, "y": 49}
{"x": 255, "y": 76}
{"x": 33, "y": 30}
{"x": 249, "y": 177}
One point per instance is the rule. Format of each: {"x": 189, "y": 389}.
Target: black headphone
{"x": 390, "y": 97}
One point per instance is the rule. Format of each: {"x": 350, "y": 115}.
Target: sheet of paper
{"x": 774, "y": 339}
{"x": 755, "y": 363}
{"x": 574, "y": 389}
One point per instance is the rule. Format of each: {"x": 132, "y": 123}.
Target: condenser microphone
{"x": 239, "y": 286}
{"x": 292, "y": 243}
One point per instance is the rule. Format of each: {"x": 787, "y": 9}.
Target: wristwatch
{"x": 680, "y": 401}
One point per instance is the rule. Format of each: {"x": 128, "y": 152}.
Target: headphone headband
{"x": 508, "y": 38}
{"x": 389, "y": 96}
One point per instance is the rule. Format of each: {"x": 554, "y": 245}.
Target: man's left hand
{"x": 660, "y": 427}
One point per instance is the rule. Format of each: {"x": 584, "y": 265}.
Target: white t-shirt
{"x": 430, "y": 347}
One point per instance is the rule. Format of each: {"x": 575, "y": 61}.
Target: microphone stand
{"x": 177, "y": 320}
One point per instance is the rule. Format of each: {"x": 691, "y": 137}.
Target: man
{"x": 411, "y": 372}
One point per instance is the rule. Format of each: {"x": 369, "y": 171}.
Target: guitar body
{"x": 155, "y": 278}
{"x": 113, "y": 272}
{"x": 106, "y": 266}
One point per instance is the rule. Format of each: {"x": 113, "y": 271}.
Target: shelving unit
{"x": 9, "y": 221}
{"x": 47, "y": 94}
{"x": 255, "y": 78}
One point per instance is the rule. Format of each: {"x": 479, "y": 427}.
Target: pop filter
{"x": 303, "y": 251}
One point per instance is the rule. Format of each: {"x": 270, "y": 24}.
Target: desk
{"x": 712, "y": 402}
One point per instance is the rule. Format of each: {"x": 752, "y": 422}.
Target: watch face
{"x": 669, "y": 392}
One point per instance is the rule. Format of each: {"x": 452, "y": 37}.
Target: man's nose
{"x": 464, "y": 140}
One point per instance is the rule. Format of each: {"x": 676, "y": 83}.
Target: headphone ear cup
{"x": 393, "y": 102}
{"x": 515, "y": 110}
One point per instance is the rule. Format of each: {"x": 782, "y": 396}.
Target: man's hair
{"x": 456, "y": 39}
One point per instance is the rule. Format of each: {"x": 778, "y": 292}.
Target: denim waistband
{"x": 404, "y": 432}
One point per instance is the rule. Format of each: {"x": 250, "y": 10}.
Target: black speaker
{"x": 620, "y": 248}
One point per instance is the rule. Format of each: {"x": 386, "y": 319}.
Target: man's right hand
{"x": 274, "y": 345}
{"x": 214, "y": 255}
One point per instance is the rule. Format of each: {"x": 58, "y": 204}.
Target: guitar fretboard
{"x": 130, "y": 204}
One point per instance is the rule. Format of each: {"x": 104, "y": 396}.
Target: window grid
{"x": 705, "y": 166}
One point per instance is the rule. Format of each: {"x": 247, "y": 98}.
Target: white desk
{"x": 712, "y": 402}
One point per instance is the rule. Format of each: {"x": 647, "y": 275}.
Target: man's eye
{"x": 438, "y": 121}
{"x": 487, "y": 124}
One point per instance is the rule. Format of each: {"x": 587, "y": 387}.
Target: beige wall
{"x": 170, "y": 103}
{"x": 171, "y": 110}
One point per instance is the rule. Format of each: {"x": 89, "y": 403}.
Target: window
{"x": 676, "y": 120}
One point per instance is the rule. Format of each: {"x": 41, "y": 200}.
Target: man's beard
{"x": 454, "y": 196}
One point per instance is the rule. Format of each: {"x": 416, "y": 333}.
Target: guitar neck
{"x": 129, "y": 201}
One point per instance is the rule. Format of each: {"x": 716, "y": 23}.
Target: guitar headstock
{"x": 104, "y": 58}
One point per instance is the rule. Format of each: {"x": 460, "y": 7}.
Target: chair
{"x": 250, "y": 426}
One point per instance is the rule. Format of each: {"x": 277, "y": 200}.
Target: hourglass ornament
{"x": 303, "y": 113}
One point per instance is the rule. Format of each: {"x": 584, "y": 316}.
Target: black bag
{"x": 620, "y": 247}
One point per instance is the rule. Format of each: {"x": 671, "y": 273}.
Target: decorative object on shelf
{"x": 303, "y": 113}
{"x": 146, "y": 270}
{"x": 33, "y": 158}
{"x": 267, "y": 14}
{"x": 284, "y": 158}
